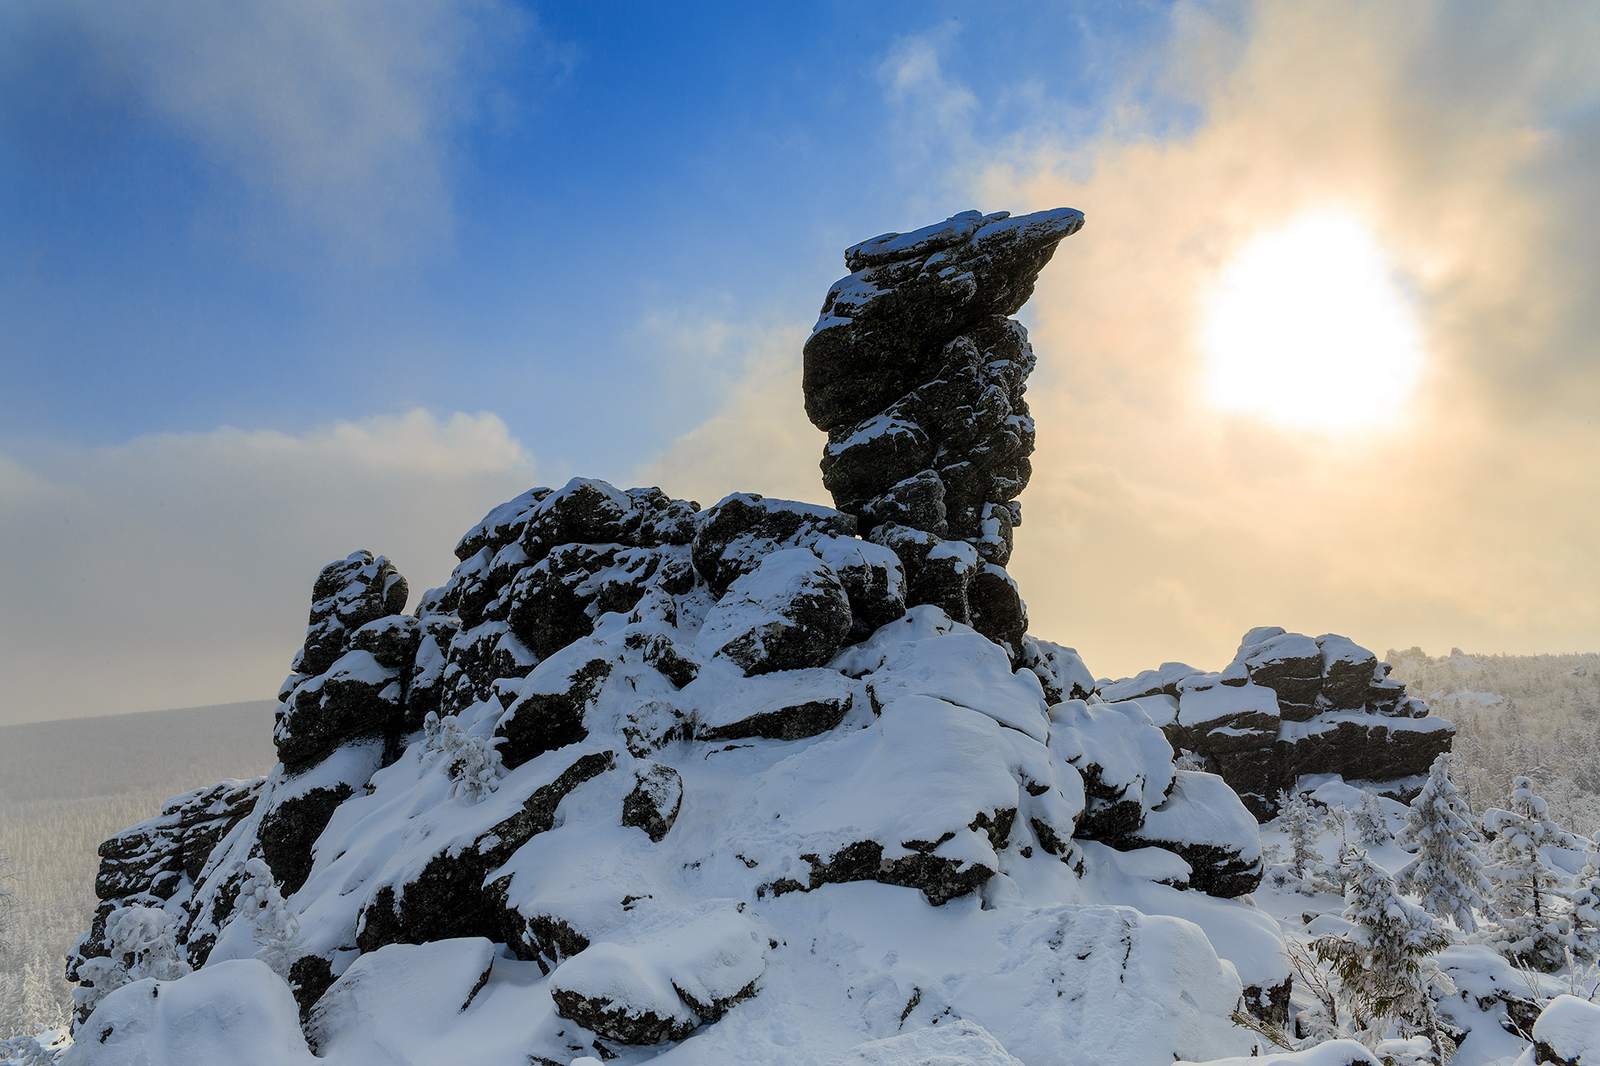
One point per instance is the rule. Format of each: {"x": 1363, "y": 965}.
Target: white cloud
{"x": 176, "y": 570}
{"x": 338, "y": 115}
{"x": 759, "y": 440}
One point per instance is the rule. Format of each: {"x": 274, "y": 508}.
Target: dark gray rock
{"x": 549, "y": 712}
{"x": 789, "y": 613}
{"x": 741, "y": 529}
{"x": 938, "y": 878}
{"x": 448, "y": 898}
{"x": 653, "y": 804}
{"x": 884, "y": 327}
{"x": 289, "y": 831}
{"x": 917, "y": 375}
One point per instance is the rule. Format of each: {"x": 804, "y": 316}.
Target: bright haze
{"x": 283, "y": 280}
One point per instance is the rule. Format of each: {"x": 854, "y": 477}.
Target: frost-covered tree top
{"x": 1447, "y": 873}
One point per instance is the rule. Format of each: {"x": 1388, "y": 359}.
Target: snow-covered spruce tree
{"x": 1300, "y": 823}
{"x": 471, "y": 762}
{"x": 272, "y": 923}
{"x": 1447, "y": 873}
{"x": 1531, "y": 911}
{"x": 1583, "y": 940}
{"x": 142, "y": 945}
{"x": 1385, "y": 964}
{"x": 1369, "y": 821}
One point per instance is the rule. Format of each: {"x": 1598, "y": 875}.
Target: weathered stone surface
{"x": 1363, "y": 746}
{"x": 789, "y": 613}
{"x": 883, "y": 327}
{"x": 917, "y": 375}
{"x": 743, "y": 528}
{"x": 653, "y": 804}
{"x": 154, "y": 856}
{"x": 289, "y": 830}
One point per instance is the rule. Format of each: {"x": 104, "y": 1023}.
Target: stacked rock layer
{"x": 917, "y": 374}
{"x": 1289, "y": 706}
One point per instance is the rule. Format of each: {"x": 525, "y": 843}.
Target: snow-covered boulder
{"x": 237, "y": 1012}
{"x": 1568, "y": 1032}
{"x": 1204, "y": 822}
{"x": 789, "y": 613}
{"x": 743, "y": 528}
{"x": 666, "y": 982}
{"x": 1126, "y": 763}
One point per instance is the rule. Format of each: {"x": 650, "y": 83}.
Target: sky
{"x": 283, "y": 280}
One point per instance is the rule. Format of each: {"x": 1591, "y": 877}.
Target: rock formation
{"x": 1288, "y": 706}
{"x": 761, "y": 768}
{"x": 917, "y": 374}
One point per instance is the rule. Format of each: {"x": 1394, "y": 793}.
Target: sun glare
{"x": 1308, "y": 329}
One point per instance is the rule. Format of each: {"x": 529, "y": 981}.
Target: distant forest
{"x": 64, "y": 787}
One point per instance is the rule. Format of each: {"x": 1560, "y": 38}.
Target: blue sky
{"x": 279, "y": 280}
{"x": 599, "y": 172}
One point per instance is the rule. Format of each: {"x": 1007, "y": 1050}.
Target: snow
{"x": 924, "y": 653}
{"x": 1331, "y": 1053}
{"x": 1202, "y": 809}
{"x": 1197, "y": 707}
{"x": 238, "y": 1012}
{"x": 1570, "y": 1027}
{"x": 958, "y": 1043}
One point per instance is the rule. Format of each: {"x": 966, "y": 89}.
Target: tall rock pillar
{"x": 917, "y": 372}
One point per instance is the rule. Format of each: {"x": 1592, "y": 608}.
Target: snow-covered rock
{"x": 741, "y": 785}
{"x": 1568, "y": 1032}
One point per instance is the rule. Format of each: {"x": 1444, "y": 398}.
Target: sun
{"x": 1308, "y": 329}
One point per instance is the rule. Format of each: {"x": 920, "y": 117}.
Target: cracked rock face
{"x": 917, "y": 374}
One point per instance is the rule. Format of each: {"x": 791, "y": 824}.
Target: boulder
{"x": 548, "y": 712}
{"x": 741, "y": 529}
{"x": 789, "y": 613}
{"x": 786, "y": 705}
{"x": 653, "y": 804}
{"x": 664, "y": 987}
{"x": 1204, "y": 822}
{"x": 1125, "y": 761}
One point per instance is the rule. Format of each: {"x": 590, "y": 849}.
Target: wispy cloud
{"x": 176, "y": 569}
{"x": 339, "y": 117}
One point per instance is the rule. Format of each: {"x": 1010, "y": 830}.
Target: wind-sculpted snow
{"x": 761, "y": 782}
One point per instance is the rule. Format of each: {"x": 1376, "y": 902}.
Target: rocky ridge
{"x": 1289, "y": 706}
{"x": 608, "y": 789}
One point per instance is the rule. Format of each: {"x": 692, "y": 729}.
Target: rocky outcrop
{"x": 1290, "y": 705}
{"x": 917, "y": 374}
{"x": 158, "y": 863}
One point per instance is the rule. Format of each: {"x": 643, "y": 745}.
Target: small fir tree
{"x": 272, "y": 924}
{"x": 1385, "y": 963}
{"x": 1448, "y": 871}
{"x": 471, "y": 762}
{"x": 1530, "y": 907}
{"x": 1584, "y": 938}
{"x": 1300, "y": 823}
{"x": 1369, "y": 821}
{"x": 142, "y": 944}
